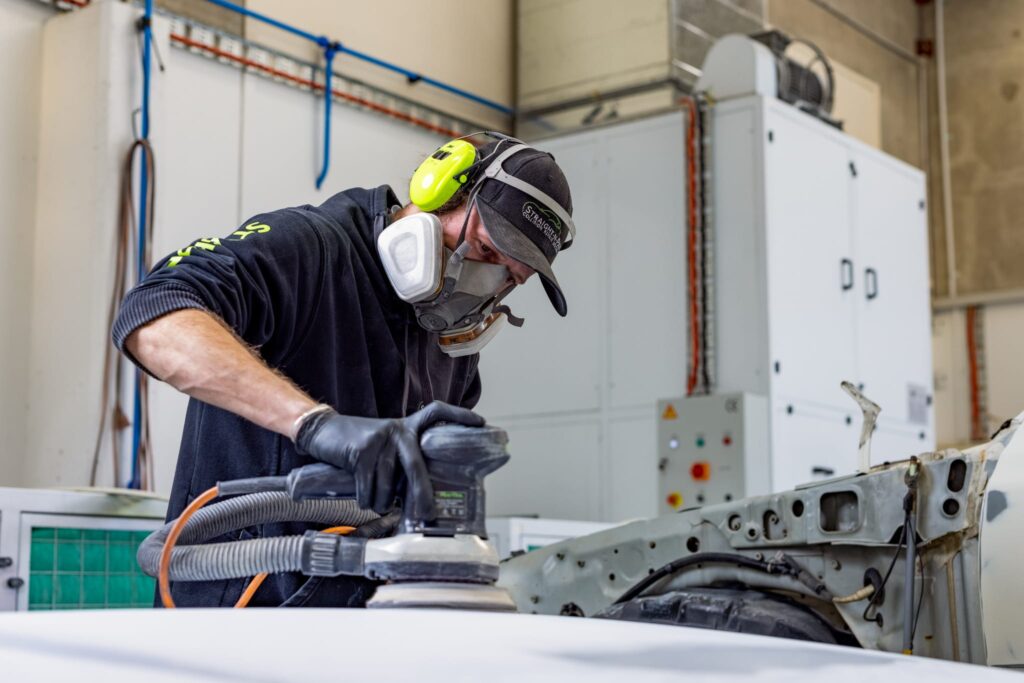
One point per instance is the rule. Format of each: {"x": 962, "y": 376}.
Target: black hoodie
{"x": 304, "y": 286}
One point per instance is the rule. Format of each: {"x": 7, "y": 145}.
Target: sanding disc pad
{"x": 446, "y": 595}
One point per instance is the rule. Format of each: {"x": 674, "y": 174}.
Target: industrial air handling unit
{"x": 813, "y": 270}
{"x": 820, "y": 273}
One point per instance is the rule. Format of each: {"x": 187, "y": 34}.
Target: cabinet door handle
{"x": 846, "y": 274}
{"x": 870, "y": 283}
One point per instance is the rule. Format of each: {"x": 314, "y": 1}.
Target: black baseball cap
{"x": 522, "y": 226}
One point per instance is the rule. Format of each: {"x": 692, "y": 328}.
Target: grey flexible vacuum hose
{"x": 238, "y": 559}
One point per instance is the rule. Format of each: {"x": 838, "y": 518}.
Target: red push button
{"x": 727, "y": 440}
{"x": 700, "y": 471}
{"x": 674, "y": 500}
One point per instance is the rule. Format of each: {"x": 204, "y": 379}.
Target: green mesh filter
{"x": 87, "y": 569}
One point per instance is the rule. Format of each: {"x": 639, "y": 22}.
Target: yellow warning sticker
{"x": 670, "y": 413}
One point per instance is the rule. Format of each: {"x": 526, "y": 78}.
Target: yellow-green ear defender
{"x": 441, "y": 175}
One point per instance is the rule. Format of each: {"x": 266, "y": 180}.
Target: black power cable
{"x": 782, "y": 567}
{"x": 702, "y": 115}
{"x": 877, "y": 618}
{"x": 920, "y": 600}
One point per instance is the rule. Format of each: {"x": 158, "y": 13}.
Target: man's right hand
{"x": 369, "y": 448}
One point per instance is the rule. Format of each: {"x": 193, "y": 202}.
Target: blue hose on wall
{"x": 141, "y": 266}
{"x": 332, "y": 48}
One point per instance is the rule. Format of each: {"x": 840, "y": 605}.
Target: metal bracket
{"x": 870, "y": 411}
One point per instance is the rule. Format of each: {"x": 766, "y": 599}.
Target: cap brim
{"x": 511, "y": 242}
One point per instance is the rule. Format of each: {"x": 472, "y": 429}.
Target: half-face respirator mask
{"x": 457, "y": 298}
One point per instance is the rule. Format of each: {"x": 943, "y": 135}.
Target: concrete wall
{"x": 467, "y": 44}
{"x": 984, "y": 63}
{"x": 21, "y": 47}
{"x": 985, "y": 80}
{"x": 897, "y": 76}
{"x": 572, "y": 48}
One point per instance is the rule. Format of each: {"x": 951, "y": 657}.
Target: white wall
{"x": 21, "y": 47}
{"x": 227, "y": 146}
{"x": 578, "y": 394}
{"x": 465, "y": 43}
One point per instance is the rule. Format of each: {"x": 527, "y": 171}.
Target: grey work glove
{"x": 368, "y": 448}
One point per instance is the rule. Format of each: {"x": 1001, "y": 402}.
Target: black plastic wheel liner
{"x": 740, "y": 610}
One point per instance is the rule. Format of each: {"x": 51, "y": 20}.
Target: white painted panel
{"x": 741, "y": 292}
{"x": 553, "y": 364}
{"x": 631, "y": 486}
{"x": 894, "y": 309}
{"x": 1001, "y": 557}
{"x": 197, "y": 152}
{"x": 21, "y": 50}
{"x": 647, "y": 262}
{"x": 90, "y": 69}
{"x": 283, "y": 140}
{"x": 811, "y": 443}
{"x": 553, "y": 471}
{"x": 897, "y": 442}
{"x": 811, "y": 318}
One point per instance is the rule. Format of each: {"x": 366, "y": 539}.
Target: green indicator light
{"x": 450, "y": 494}
{"x": 700, "y": 442}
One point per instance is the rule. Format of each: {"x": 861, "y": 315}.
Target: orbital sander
{"x": 441, "y": 561}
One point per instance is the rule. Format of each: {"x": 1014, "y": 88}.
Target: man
{"x": 297, "y": 338}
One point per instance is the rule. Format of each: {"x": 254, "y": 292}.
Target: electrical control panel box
{"x": 712, "y": 449}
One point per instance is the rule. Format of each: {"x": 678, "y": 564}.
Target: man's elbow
{"x": 152, "y": 345}
{"x": 142, "y": 346}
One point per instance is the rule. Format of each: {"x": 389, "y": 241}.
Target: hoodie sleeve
{"x": 263, "y": 280}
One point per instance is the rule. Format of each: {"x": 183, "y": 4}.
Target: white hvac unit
{"x": 820, "y": 275}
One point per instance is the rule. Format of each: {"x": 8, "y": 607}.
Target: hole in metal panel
{"x": 957, "y": 475}
{"x": 840, "y": 511}
{"x": 772, "y": 527}
{"x": 798, "y": 508}
{"x": 950, "y": 507}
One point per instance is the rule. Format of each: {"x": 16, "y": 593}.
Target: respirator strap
{"x": 513, "y": 319}
{"x": 382, "y": 220}
{"x": 499, "y": 307}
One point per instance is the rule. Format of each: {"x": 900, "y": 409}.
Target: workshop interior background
{"x": 231, "y": 141}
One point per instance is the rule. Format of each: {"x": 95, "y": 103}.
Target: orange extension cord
{"x": 258, "y": 580}
{"x": 163, "y": 577}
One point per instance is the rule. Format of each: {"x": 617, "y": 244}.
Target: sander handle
{"x": 320, "y": 480}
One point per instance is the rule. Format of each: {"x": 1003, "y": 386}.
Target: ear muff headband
{"x": 441, "y": 175}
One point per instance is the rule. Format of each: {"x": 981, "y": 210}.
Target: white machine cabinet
{"x": 821, "y": 276}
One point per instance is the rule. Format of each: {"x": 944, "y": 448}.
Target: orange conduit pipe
{"x": 691, "y": 240}
{"x": 977, "y": 430}
{"x": 313, "y": 85}
{"x": 258, "y": 580}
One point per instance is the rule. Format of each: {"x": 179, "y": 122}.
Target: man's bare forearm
{"x": 196, "y": 354}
